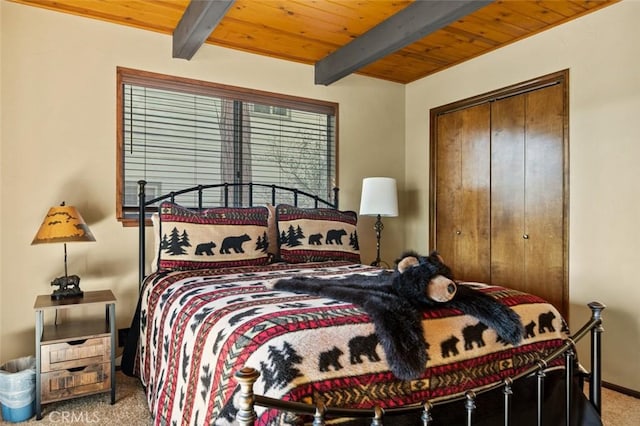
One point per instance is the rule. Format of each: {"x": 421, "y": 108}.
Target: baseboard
{"x": 621, "y": 389}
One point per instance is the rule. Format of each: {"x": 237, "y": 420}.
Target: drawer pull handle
{"x": 75, "y": 369}
{"x": 76, "y": 342}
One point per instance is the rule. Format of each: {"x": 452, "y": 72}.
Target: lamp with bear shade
{"x": 64, "y": 224}
{"x": 379, "y": 198}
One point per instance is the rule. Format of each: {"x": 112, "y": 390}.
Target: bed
{"x": 214, "y": 342}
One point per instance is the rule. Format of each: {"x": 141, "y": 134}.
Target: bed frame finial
{"x": 246, "y": 377}
{"x": 321, "y": 409}
{"x": 426, "y": 416}
{"x": 378, "y": 412}
{"x": 595, "y": 380}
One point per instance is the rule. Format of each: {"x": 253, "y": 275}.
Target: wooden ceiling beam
{"x": 411, "y": 24}
{"x": 200, "y": 18}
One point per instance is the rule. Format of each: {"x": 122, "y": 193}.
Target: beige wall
{"x": 601, "y": 52}
{"x": 59, "y": 143}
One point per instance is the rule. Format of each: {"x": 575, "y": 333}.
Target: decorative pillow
{"x": 212, "y": 238}
{"x": 316, "y": 235}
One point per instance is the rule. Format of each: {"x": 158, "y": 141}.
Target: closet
{"x": 499, "y": 187}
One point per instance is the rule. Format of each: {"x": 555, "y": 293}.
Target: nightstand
{"x": 76, "y": 358}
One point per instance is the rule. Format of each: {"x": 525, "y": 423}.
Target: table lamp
{"x": 379, "y": 198}
{"x": 64, "y": 224}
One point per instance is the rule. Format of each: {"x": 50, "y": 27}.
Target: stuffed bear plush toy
{"x": 427, "y": 281}
{"x": 396, "y": 299}
{"x": 423, "y": 280}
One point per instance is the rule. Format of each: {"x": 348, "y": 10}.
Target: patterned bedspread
{"x": 199, "y": 327}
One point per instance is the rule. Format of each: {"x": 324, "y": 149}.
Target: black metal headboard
{"x": 274, "y": 194}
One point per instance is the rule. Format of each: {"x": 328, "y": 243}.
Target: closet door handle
{"x": 458, "y": 232}
{"x": 525, "y": 236}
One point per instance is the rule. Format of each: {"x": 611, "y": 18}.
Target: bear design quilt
{"x": 197, "y": 328}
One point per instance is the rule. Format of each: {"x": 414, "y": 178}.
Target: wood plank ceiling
{"x": 308, "y": 31}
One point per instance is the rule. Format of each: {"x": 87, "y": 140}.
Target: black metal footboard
{"x": 246, "y": 377}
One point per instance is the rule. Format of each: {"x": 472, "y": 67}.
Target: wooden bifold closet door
{"x": 499, "y": 189}
{"x": 463, "y": 210}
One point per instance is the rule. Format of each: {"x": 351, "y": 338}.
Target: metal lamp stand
{"x": 378, "y": 227}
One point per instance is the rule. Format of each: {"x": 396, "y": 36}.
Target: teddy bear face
{"x": 424, "y": 280}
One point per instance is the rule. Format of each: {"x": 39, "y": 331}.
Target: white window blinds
{"x": 199, "y": 133}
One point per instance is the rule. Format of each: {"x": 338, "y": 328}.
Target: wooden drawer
{"x": 75, "y": 353}
{"x": 63, "y": 384}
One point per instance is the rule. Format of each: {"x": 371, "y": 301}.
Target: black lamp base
{"x": 69, "y": 287}
{"x": 378, "y": 227}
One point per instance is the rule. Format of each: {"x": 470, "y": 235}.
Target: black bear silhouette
{"x": 315, "y": 239}
{"x": 330, "y": 358}
{"x": 473, "y": 334}
{"x": 335, "y": 236}
{"x": 205, "y": 248}
{"x": 449, "y": 347}
{"x": 363, "y": 345}
{"x": 235, "y": 243}
{"x": 529, "y": 330}
{"x": 545, "y": 322}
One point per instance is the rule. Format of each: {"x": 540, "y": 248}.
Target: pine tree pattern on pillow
{"x": 317, "y": 235}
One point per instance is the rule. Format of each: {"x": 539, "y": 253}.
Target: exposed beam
{"x": 411, "y": 24}
{"x": 198, "y": 21}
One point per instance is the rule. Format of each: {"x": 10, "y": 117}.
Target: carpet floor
{"x": 131, "y": 409}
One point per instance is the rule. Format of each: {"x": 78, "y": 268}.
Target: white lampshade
{"x": 379, "y": 197}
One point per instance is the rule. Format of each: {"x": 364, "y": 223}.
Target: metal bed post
{"x": 141, "y": 232}
{"x": 595, "y": 381}
{"x": 246, "y": 415}
{"x": 378, "y": 412}
{"x": 321, "y": 409}
{"x": 508, "y": 393}
{"x": 470, "y": 405}
{"x": 226, "y": 195}
{"x": 542, "y": 365}
{"x": 569, "y": 371}
{"x": 426, "y": 414}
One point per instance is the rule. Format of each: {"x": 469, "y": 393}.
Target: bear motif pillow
{"x": 212, "y": 238}
{"x": 317, "y": 235}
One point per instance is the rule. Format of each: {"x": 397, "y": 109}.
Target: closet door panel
{"x": 474, "y": 247}
{"x": 544, "y": 199}
{"x": 463, "y": 185}
{"x": 507, "y": 192}
{"x": 448, "y": 181}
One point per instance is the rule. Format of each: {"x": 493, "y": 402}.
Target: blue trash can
{"x": 18, "y": 389}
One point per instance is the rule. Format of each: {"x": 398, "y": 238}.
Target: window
{"x": 271, "y": 110}
{"x": 175, "y": 133}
